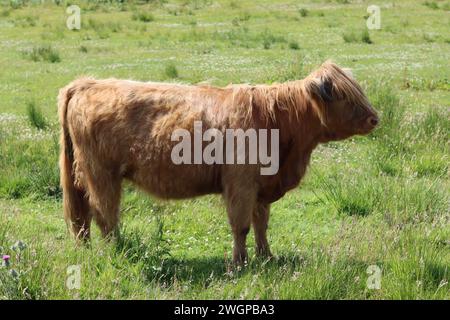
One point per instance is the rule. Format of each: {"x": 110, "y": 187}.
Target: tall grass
{"x": 35, "y": 116}
{"x": 148, "y": 250}
{"x": 143, "y": 16}
{"x": 431, "y": 5}
{"x": 352, "y": 197}
{"x": 403, "y": 148}
{"x": 363, "y": 37}
{"x": 103, "y": 29}
{"x": 435, "y": 126}
{"x": 171, "y": 70}
{"x": 303, "y": 12}
{"x": 362, "y": 194}
{"x": 9, "y": 284}
{"x": 294, "y": 45}
{"x": 28, "y": 164}
{"x": 392, "y": 113}
{"x": 408, "y": 144}
{"x": 43, "y": 53}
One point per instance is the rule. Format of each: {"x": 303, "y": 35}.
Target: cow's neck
{"x": 300, "y": 131}
{"x": 295, "y": 115}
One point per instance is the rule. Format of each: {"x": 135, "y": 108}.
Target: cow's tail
{"x": 75, "y": 203}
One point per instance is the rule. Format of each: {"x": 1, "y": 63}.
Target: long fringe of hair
{"x": 301, "y": 96}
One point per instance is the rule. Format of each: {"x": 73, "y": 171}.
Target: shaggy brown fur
{"x": 116, "y": 129}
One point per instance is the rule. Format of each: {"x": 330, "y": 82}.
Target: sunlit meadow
{"x": 379, "y": 202}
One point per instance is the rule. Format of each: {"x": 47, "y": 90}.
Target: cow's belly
{"x": 171, "y": 181}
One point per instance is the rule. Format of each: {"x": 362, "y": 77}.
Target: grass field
{"x": 381, "y": 200}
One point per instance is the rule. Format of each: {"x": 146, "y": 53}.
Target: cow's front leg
{"x": 240, "y": 206}
{"x": 260, "y": 220}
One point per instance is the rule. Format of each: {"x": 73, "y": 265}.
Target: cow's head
{"x": 341, "y": 105}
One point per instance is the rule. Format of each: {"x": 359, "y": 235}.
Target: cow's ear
{"x": 326, "y": 90}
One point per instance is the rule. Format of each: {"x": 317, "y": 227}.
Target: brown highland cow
{"x": 117, "y": 129}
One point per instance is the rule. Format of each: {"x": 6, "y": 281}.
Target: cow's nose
{"x": 373, "y": 121}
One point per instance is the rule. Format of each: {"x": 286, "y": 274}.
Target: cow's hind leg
{"x": 260, "y": 220}
{"x": 104, "y": 198}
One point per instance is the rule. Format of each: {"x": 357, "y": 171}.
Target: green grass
{"x": 35, "y": 116}
{"x": 431, "y": 4}
{"x": 43, "y": 53}
{"x": 143, "y": 16}
{"x": 294, "y": 45}
{"x": 171, "y": 70}
{"x": 303, "y": 12}
{"x": 363, "y": 37}
{"x": 378, "y": 200}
